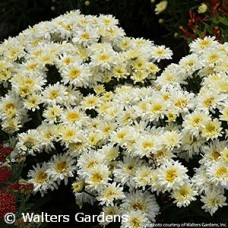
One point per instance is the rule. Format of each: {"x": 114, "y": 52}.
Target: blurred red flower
{"x": 4, "y": 152}
{"x": 5, "y": 173}
{"x": 7, "y": 203}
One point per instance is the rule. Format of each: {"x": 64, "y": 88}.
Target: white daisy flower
{"x": 29, "y": 142}
{"x": 213, "y": 199}
{"x": 69, "y": 134}
{"x": 212, "y": 129}
{"x": 11, "y": 106}
{"x": 172, "y": 175}
{"x": 40, "y": 179}
{"x": 89, "y": 102}
{"x": 104, "y": 60}
{"x": 200, "y": 45}
{"x": 144, "y": 202}
{"x": 110, "y": 211}
{"x": 89, "y": 160}
{"x": 135, "y": 219}
{"x": 190, "y": 63}
{"x": 171, "y": 139}
{"x": 146, "y": 144}
{"x": 161, "y": 52}
{"x": 195, "y": 121}
{"x": 98, "y": 177}
{"x": 83, "y": 197}
{"x": 143, "y": 176}
{"x": 61, "y": 167}
{"x": 218, "y": 173}
{"x": 110, "y": 193}
{"x": 76, "y": 74}
{"x": 125, "y": 170}
{"x": 184, "y": 195}
{"x": 85, "y": 36}
{"x": 52, "y": 113}
{"x": 54, "y": 94}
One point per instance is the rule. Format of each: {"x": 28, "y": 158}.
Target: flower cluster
{"x": 90, "y": 98}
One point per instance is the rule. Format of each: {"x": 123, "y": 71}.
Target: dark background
{"x": 136, "y": 17}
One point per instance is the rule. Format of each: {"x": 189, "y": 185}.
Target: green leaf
{"x": 208, "y": 27}
{"x": 223, "y": 20}
{"x": 215, "y": 20}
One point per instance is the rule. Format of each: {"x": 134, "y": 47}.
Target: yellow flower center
{"x": 91, "y": 101}
{"x": 67, "y": 60}
{"x": 224, "y": 154}
{"x": 61, "y": 167}
{"x": 215, "y": 155}
{"x": 85, "y": 36}
{"x": 204, "y": 43}
{"x": 121, "y": 135}
{"x": 196, "y": 120}
{"x": 10, "y": 106}
{"x": 53, "y": 94}
{"x": 107, "y": 129}
{"x": 210, "y": 127}
{"x": 170, "y": 77}
{"x": 160, "y": 154}
{"x": 110, "y": 194}
{"x": 68, "y": 27}
{"x": 181, "y": 103}
{"x": 107, "y": 21}
{"x": 208, "y": 102}
{"x": 147, "y": 145}
{"x": 91, "y": 164}
{"x": 171, "y": 175}
{"x": 222, "y": 171}
{"x": 74, "y": 73}
{"x": 213, "y": 57}
{"x": 78, "y": 186}
{"x": 97, "y": 178}
{"x": 190, "y": 63}
{"x": 48, "y": 135}
{"x": 41, "y": 177}
{"x": 103, "y": 57}
{"x": 29, "y": 81}
{"x": 135, "y": 223}
{"x": 69, "y": 134}
{"x": 72, "y": 116}
{"x": 214, "y": 202}
{"x": 31, "y": 66}
{"x": 184, "y": 192}
{"x": 160, "y": 52}
{"x": 137, "y": 206}
{"x": 157, "y": 107}
{"x": 30, "y": 142}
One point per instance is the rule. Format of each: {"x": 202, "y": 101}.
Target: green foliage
{"x": 212, "y": 21}
{"x": 176, "y": 14}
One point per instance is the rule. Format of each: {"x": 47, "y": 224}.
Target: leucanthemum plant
{"x": 79, "y": 91}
